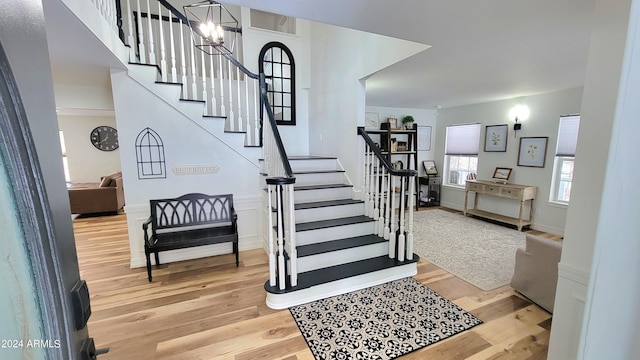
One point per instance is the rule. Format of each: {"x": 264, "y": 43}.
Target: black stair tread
{"x": 323, "y": 224}
{"x": 326, "y": 171}
{"x": 320, "y": 186}
{"x": 319, "y": 204}
{"x": 168, "y": 83}
{"x": 338, "y": 272}
{"x": 311, "y": 157}
{"x": 335, "y": 245}
{"x": 214, "y": 117}
{"x": 193, "y": 100}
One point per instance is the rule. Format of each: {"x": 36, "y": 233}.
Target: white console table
{"x": 521, "y": 193}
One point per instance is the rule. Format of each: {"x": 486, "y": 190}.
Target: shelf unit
{"x": 410, "y": 156}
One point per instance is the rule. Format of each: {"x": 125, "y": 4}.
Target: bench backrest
{"x": 191, "y": 210}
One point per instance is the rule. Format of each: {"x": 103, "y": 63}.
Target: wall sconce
{"x": 519, "y": 112}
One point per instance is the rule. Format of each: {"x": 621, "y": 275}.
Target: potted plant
{"x": 407, "y": 122}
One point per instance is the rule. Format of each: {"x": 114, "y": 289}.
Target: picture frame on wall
{"x": 424, "y": 138}
{"x": 495, "y": 138}
{"x": 371, "y": 120}
{"x": 532, "y": 151}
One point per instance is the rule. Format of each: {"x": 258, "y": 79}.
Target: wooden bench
{"x": 188, "y": 221}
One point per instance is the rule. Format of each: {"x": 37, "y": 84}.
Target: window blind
{"x": 463, "y": 139}
{"x": 568, "y": 135}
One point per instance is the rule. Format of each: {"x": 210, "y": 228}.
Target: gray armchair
{"x": 536, "y": 270}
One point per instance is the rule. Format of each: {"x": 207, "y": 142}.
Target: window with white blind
{"x": 564, "y": 160}
{"x": 461, "y": 153}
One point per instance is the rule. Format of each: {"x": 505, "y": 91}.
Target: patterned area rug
{"x": 479, "y": 252}
{"x": 380, "y": 322}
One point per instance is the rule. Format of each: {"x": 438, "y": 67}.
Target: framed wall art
{"x": 502, "y": 174}
{"x": 495, "y": 138}
{"x": 371, "y": 120}
{"x": 533, "y": 151}
{"x": 424, "y": 138}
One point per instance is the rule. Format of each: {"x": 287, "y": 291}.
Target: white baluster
{"x": 412, "y": 181}
{"x": 232, "y": 119}
{"x": 214, "y": 106}
{"x": 163, "y": 61}
{"x": 387, "y": 213}
{"x": 174, "y": 73}
{"x": 293, "y": 256}
{"x": 152, "y": 54}
{"x": 256, "y": 119}
{"x": 392, "y": 229}
{"x": 374, "y": 193}
{"x": 141, "y": 48}
{"x": 401, "y": 237}
{"x": 281, "y": 261}
{"x": 365, "y": 179}
{"x": 272, "y": 255}
{"x": 132, "y": 48}
{"x": 240, "y": 122}
{"x": 194, "y": 84}
{"x": 380, "y": 224}
{"x": 221, "y": 78}
{"x": 246, "y": 111}
{"x": 203, "y": 67}
{"x": 183, "y": 62}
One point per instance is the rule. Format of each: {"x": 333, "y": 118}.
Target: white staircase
{"x": 338, "y": 250}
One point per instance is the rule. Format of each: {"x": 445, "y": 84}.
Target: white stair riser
{"x": 329, "y": 212}
{"x": 146, "y": 74}
{"x": 320, "y": 178}
{"x": 334, "y": 233}
{"x": 314, "y": 164}
{"x": 343, "y": 286}
{"x": 304, "y": 196}
{"x": 333, "y": 258}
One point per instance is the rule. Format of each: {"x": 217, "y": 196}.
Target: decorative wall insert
{"x": 150, "y": 155}
{"x": 277, "y": 64}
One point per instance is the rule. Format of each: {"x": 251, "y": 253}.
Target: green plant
{"x": 407, "y": 119}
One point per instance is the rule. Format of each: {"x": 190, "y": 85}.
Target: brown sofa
{"x": 103, "y": 197}
{"x": 536, "y": 270}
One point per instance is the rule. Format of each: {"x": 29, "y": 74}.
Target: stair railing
{"x": 158, "y": 34}
{"x": 382, "y": 184}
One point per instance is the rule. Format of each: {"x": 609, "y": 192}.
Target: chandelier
{"x": 213, "y": 27}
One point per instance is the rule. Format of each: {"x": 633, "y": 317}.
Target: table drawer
{"x": 475, "y": 187}
{"x": 512, "y": 193}
{"x": 492, "y": 189}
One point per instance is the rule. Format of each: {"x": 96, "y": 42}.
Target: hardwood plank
{"x": 209, "y": 309}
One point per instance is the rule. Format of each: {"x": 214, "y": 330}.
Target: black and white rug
{"x": 380, "y": 322}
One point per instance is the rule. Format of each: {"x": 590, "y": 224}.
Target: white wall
{"x": 337, "y": 98}
{"x": 86, "y": 163}
{"x": 295, "y": 138}
{"x": 601, "y": 245}
{"x": 422, "y": 117}
{"x": 186, "y": 143}
{"x": 546, "y": 110}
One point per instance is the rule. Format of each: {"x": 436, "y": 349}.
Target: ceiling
{"x": 481, "y": 50}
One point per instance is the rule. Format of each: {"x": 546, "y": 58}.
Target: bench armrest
{"x": 145, "y": 226}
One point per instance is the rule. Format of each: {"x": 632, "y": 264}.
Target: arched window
{"x": 276, "y": 61}
{"x": 150, "y": 155}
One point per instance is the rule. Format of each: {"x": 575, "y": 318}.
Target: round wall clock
{"x": 104, "y": 138}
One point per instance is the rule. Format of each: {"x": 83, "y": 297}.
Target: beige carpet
{"x": 476, "y": 251}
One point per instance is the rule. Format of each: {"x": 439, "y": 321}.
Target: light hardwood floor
{"x": 209, "y": 309}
